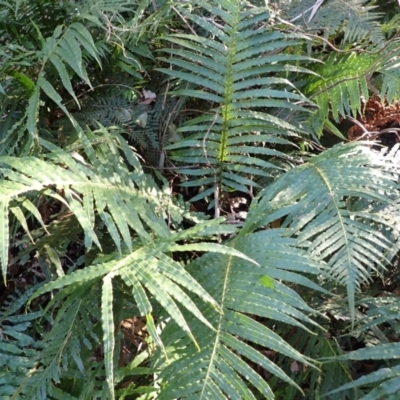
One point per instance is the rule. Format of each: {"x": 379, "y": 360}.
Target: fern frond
{"x": 128, "y": 204}
{"x": 113, "y": 108}
{"x": 19, "y": 352}
{"x": 385, "y": 380}
{"x": 221, "y": 370}
{"x": 379, "y": 319}
{"x": 149, "y": 267}
{"x": 62, "y": 49}
{"x": 389, "y": 75}
{"x": 321, "y": 381}
{"x": 338, "y": 87}
{"x": 315, "y": 201}
{"x": 232, "y": 70}
{"x": 68, "y": 362}
{"x": 109, "y": 191}
{"x": 357, "y": 19}
{"x": 74, "y": 336}
{"x": 145, "y": 125}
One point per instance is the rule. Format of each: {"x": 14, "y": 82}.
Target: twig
{"x": 371, "y": 134}
{"x": 185, "y": 22}
{"x": 313, "y": 9}
{"x": 358, "y": 123}
{"x": 98, "y": 86}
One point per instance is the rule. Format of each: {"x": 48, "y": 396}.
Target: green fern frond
{"x": 100, "y": 187}
{"x": 112, "y": 108}
{"x": 378, "y": 320}
{"x": 388, "y": 78}
{"x": 68, "y": 362}
{"x": 385, "y": 380}
{"x": 65, "y": 362}
{"x": 321, "y": 381}
{"x": 339, "y": 87}
{"x": 315, "y": 201}
{"x": 145, "y": 125}
{"x": 343, "y": 83}
{"x": 356, "y": 19}
{"x": 221, "y": 370}
{"x": 232, "y": 70}
{"x": 62, "y": 50}
{"x": 147, "y": 271}
{"x": 86, "y": 191}
{"x": 19, "y": 353}
{"x": 12, "y": 130}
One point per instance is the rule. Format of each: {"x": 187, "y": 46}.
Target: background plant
{"x": 120, "y": 121}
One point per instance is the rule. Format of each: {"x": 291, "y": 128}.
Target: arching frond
{"x": 343, "y": 84}
{"x": 316, "y": 201}
{"x": 94, "y": 188}
{"x": 221, "y": 369}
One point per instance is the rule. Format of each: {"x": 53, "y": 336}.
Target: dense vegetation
{"x": 199, "y": 199}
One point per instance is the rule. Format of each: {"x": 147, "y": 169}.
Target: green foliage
{"x": 242, "y": 289}
{"x": 386, "y": 380}
{"x": 379, "y": 325}
{"x": 19, "y": 352}
{"x": 337, "y": 232}
{"x": 346, "y": 75}
{"x": 357, "y": 20}
{"x": 340, "y": 85}
{"x": 96, "y": 226}
{"x": 233, "y": 65}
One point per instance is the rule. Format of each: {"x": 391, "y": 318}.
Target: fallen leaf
{"x": 294, "y": 367}
{"x": 148, "y": 97}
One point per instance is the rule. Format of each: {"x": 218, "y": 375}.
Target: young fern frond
{"x": 315, "y": 201}
{"x": 232, "y": 68}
